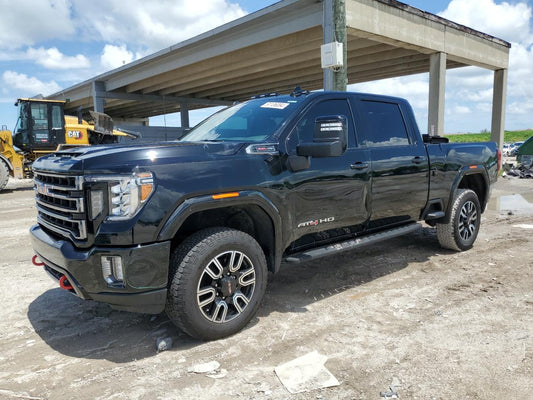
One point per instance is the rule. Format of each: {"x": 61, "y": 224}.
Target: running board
{"x": 351, "y": 244}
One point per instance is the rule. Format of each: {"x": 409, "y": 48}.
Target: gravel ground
{"x": 432, "y": 323}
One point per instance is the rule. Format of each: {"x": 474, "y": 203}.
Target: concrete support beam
{"x": 392, "y": 22}
{"x": 131, "y": 121}
{"x": 98, "y": 99}
{"x": 499, "y": 96}
{"x": 162, "y": 99}
{"x": 184, "y": 114}
{"x": 437, "y": 84}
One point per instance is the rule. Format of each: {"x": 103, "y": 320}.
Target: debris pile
{"x": 524, "y": 171}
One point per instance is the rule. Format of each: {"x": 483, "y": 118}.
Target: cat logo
{"x": 74, "y": 134}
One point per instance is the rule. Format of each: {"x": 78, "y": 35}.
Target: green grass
{"x": 510, "y": 136}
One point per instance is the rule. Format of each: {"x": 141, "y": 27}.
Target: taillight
{"x": 499, "y": 159}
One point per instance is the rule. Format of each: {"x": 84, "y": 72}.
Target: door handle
{"x": 359, "y": 165}
{"x": 417, "y": 160}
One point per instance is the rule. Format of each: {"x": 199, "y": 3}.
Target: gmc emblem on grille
{"x": 43, "y": 188}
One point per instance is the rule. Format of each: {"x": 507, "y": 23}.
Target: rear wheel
{"x": 4, "y": 174}
{"x": 218, "y": 278}
{"x": 461, "y": 231}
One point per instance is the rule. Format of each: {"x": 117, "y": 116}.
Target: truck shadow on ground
{"x": 86, "y": 329}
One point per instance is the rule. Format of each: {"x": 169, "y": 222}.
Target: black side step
{"x": 351, "y": 244}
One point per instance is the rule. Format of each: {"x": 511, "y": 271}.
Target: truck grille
{"x": 60, "y": 204}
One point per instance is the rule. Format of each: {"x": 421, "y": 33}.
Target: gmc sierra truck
{"x": 193, "y": 227}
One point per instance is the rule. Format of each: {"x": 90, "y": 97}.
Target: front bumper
{"x": 145, "y": 271}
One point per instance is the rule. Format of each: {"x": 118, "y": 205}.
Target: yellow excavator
{"x": 43, "y": 128}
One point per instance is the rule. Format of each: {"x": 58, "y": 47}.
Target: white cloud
{"x": 115, "y": 56}
{"x": 458, "y": 109}
{"x": 52, "y": 58}
{"x": 484, "y": 107}
{"x": 522, "y": 108}
{"x": 28, "y": 86}
{"x": 152, "y": 25}
{"x": 27, "y": 22}
{"x": 520, "y": 71}
{"x": 510, "y": 22}
{"x": 479, "y": 95}
{"x": 470, "y": 78}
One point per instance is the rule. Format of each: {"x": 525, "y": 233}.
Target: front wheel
{"x": 461, "y": 231}
{"x": 218, "y": 278}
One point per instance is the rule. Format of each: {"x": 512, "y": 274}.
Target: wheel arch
{"x": 250, "y": 212}
{"x": 476, "y": 180}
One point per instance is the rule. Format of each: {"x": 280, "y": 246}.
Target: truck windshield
{"x": 252, "y": 121}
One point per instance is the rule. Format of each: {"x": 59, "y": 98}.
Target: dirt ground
{"x": 433, "y": 323}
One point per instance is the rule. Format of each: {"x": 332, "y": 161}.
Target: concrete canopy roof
{"x": 278, "y": 48}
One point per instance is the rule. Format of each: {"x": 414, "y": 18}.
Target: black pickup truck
{"x": 193, "y": 227}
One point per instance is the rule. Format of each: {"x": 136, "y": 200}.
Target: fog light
{"x": 112, "y": 270}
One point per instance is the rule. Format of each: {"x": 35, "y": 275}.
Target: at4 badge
{"x": 316, "y": 222}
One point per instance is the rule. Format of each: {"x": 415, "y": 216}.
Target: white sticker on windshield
{"x": 276, "y": 105}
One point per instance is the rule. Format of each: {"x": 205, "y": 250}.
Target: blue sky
{"x": 63, "y": 42}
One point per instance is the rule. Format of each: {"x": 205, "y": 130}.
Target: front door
{"x": 333, "y": 192}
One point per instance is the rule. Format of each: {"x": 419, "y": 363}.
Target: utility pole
{"x": 334, "y": 26}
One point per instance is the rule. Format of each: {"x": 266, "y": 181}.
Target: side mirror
{"x": 330, "y": 138}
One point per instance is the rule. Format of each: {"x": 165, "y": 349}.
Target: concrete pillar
{"x": 184, "y": 114}
{"x": 98, "y": 99}
{"x": 499, "y": 96}
{"x": 437, "y": 86}
{"x": 334, "y": 28}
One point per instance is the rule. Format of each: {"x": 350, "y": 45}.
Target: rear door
{"x": 399, "y": 160}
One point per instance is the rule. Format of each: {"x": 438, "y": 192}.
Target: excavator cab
{"x": 40, "y": 125}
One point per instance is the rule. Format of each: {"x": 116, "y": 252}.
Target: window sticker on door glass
{"x": 276, "y": 105}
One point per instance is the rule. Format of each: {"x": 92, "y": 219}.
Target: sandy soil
{"x": 434, "y": 323}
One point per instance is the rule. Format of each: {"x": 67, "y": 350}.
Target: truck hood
{"x": 124, "y": 158}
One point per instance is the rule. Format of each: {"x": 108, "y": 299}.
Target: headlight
{"x": 128, "y": 194}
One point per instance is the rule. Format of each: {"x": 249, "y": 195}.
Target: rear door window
{"x": 384, "y": 124}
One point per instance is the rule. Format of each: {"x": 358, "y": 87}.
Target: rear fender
{"x": 480, "y": 184}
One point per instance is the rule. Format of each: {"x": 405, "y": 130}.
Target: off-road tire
{"x": 4, "y": 174}
{"x": 461, "y": 231}
{"x": 192, "y": 265}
